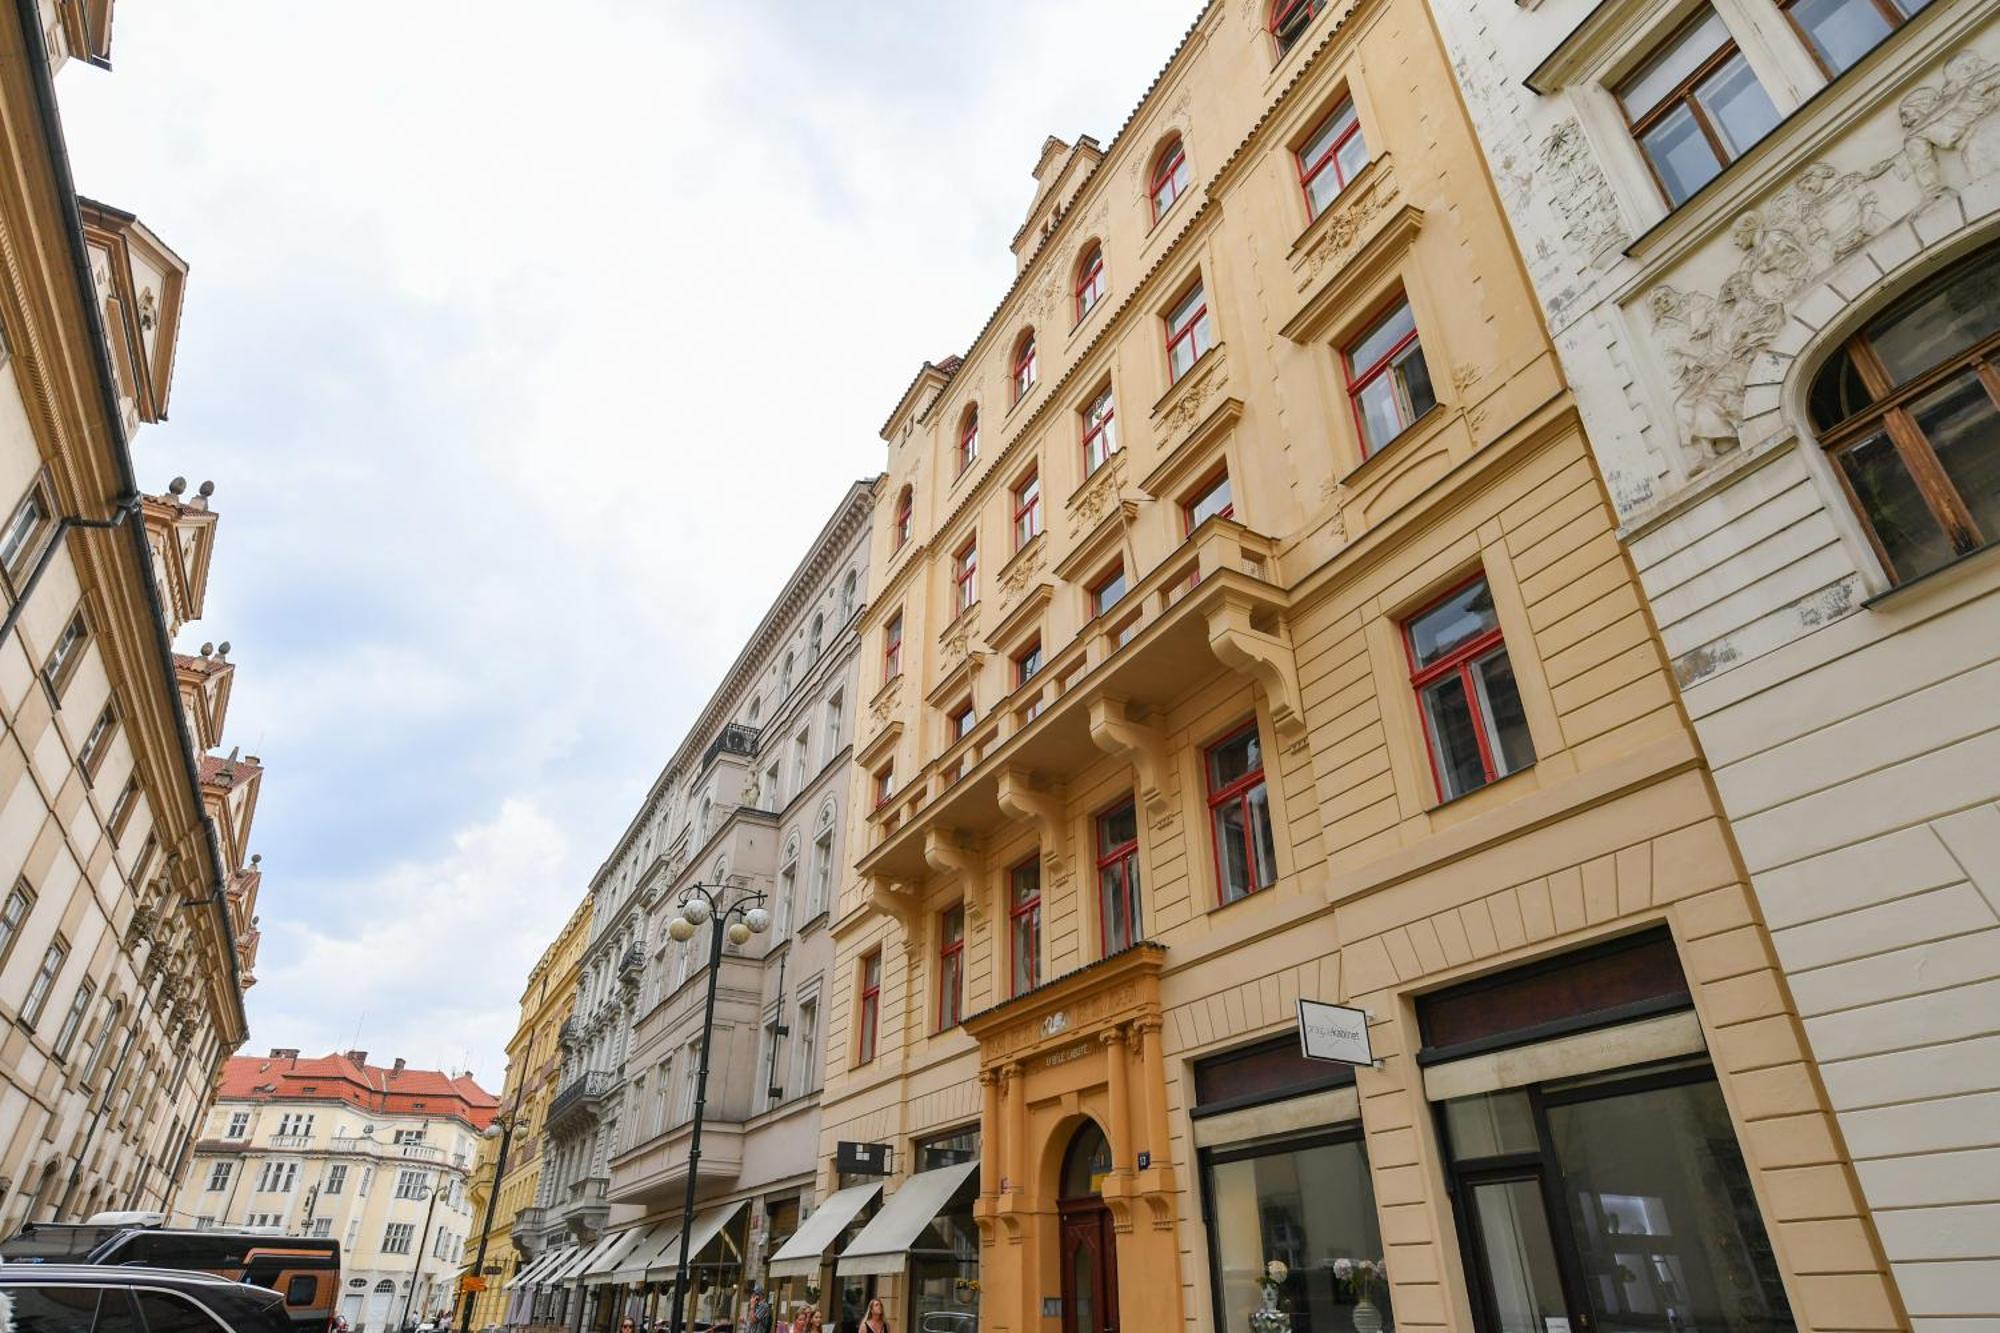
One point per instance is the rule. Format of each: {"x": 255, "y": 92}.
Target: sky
{"x": 525, "y": 344}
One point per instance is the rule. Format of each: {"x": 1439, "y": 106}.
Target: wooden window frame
{"x": 1188, "y": 330}
{"x": 1681, "y": 93}
{"x": 968, "y": 440}
{"x": 35, "y": 1006}
{"x": 1015, "y": 913}
{"x": 1090, "y": 283}
{"x": 868, "y": 1009}
{"x": 951, "y": 964}
{"x": 1125, "y": 854}
{"x": 60, "y": 666}
{"x": 965, "y": 578}
{"x": 121, "y": 809}
{"x": 1458, "y": 661}
{"x": 892, "y": 648}
{"x": 966, "y": 712}
{"x": 906, "y": 505}
{"x": 23, "y": 893}
{"x": 1358, "y": 382}
{"x": 1099, "y": 429}
{"x": 1201, "y": 491}
{"x": 1888, "y": 9}
{"x": 1027, "y": 496}
{"x": 1281, "y": 10}
{"x": 40, "y": 494}
{"x": 1238, "y": 792}
{"x": 1023, "y": 673}
{"x": 97, "y": 742}
{"x": 885, "y": 784}
{"x": 1025, "y": 370}
{"x": 1330, "y": 159}
{"x": 1170, "y": 171}
{"x": 1098, "y": 606}
{"x": 73, "y": 1020}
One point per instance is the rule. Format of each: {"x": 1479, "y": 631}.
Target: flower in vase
{"x": 1275, "y": 1271}
{"x": 1343, "y": 1269}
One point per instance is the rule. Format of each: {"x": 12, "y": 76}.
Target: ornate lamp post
{"x": 501, "y": 1126}
{"x": 702, "y": 904}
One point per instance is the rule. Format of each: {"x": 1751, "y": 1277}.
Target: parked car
{"x": 96, "y": 1298}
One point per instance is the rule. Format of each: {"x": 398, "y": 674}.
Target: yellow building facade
{"x": 1249, "y": 626}
{"x": 534, "y": 1069}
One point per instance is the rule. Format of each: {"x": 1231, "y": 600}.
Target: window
{"x": 801, "y": 760}
{"x": 1100, "y": 433}
{"x": 1212, "y": 500}
{"x": 892, "y": 648}
{"x": 412, "y": 1184}
{"x": 218, "y": 1176}
{"x": 1465, "y": 687}
{"x": 278, "y": 1177}
{"x": 409, "y": 1136}
{"x": 1188, "y": 334}
{"x": 807, "y": 1060}
{"x": 19, "y": 900}
{"x": 1239, "y": 812}
{"x": 397, "y": 1237}
{"x": 1024, "y": 365}
{"x": 1108, "y": 591}
{"x": 968, "y": 440}
{"x": 951, "y": 968}
{"x": 1289, "y": 20}
{"x": 45, "y": 980}
{"x": 66, "y": 654}
{"x": 1089, "y": 280}
{"x": 1909, "y": 411}
{"x": 833, "y": 725}
{"x": 367, "y": 1181}
{"x": 91, "y": 756}
{"x": 1170, "y": 177}
{"x": 756, "y": 711}
{"x": 1387, "y": 378}
{"x": 1695, "y": 106}
{"x": 295, "y": 1122}
{"x": 962, "y": 719}
{"x": 72, "y": 1023}
{"x": 100, "y": 1048}
{"x": 322, "y": 1228}
{"x": 850, "y": 587}
{"x": 885, "y": 783}
{"x": 23, "y": 531}
{"x": 1840, "y": 32}
{"x": 822, "y": 872}
{"x": 1331, "y": 157}
{"x": 906, "y": 504}
{"x": 785, "y": 676}
{"x": 239, "y": 1125}
{"x": 336, "y": 1179}
{"x": 122, "y": 808}
{"x": 965, "y": 577}
{"x": 1026, "y": 663}
{"x": 1118, "y": 877}
{"x": 1027, "y": 509}
{"x": 353, "y": 1233}
{"x": 869, "y": 1024}
{"x": 1024, "y": 908}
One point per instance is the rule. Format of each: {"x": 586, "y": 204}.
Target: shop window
{"x": 1388, "y": 380}
{"x": 1909, "y": 411}
{"x": 1263, "y": 1071}
{"x": 892, "y": 648}
{"x": 1332, "y": 155}
{"x": 1840, "y": 32}
{"x": 1188, "y": 332}
{"x": 905, "y": 511}
{"x": 1027, "y": 509}
{"x": 968, "y": 440}
{"x": 1024, "y": 365}
{"x": 1637, "y": 976}
{"x": 1109, "y": 590}
{"x": 869, "y": 1017}
{"x": 1170, "y": 177}
{"x": 965, "y": 577}
{"x": 1291, "y": 18}
{"x": 1118, "y": 907}
{"x": 1089, "y": 280}
{"x": 952, "y": 1148}
{"x": 1473, "y": 719}
{"x": 1695, "y": 106}
{"x": 1239, "y": 811}
{"x": 1024, "y": 909}
{"x": 1100, "y": 431}
{"x": 1213, "y": 499}
{"x": 951, "y": 968}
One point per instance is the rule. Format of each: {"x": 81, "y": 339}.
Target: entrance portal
{"x": 1089, "y": 1246}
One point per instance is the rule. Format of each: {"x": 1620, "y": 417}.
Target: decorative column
{"x": 989, "y": 1132}
{"x": 1153, "y": 1070}
{"x": 1121, "y": 1099}
{"x": 1017, "y": 1125}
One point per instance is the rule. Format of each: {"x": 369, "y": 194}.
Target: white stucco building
{"x": 1767, "y": 238}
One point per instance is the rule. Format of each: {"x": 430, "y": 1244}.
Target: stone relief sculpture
{"x": 1957, "y": 115}
{"x": 1590, "y": 217}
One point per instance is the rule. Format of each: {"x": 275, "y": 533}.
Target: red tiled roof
{"x": 384, "y": 1090}
{"x": 207, "y": 665}
{"x": 224, "y": 771}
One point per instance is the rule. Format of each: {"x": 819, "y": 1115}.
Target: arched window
{"x": 1024, "y": 365}
{"x": 817, "y": 640}
{"x": 1086, "y": 1162}
{"x": 968, "y": 439}
{"x": 849, "y": 586}
{"x": 1089, "y": 279}
{"x": 1170, "y": 176}
{"x": 756, "y": 707}
{"x": 785, "y": 676}
{"x": 1291, "y": 18}
{"x": 1909, "y": 411}
{"x": 905, "y": 507}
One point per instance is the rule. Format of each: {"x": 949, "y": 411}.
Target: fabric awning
{"x": 884, "y": 1244}
{"x": 533, "y": 1274}
{"x": 597, "y": 1272}
{"x": 559, "y": 1272}
{"x": 594, "y": 1257}
{"x": 802, "y": 1255}
{"x": 663, "y": 1238}
{"x": 527, "y": 1274}
{"x": 706, "y": 1228}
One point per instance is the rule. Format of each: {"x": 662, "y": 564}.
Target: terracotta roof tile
{"x": 382, "y": 1089}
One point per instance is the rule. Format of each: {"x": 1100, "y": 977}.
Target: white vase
{"x": 1366, "y": 1318}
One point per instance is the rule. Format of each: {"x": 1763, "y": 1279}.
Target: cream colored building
{"x": 1785, "y": 342}
{"x": 127, "y": 893}
{"x": 376, "y": 1157}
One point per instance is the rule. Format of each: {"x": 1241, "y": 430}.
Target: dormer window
{"x": 968, "y": 440}
{"x": 1024, "y": 365}
{"x": 1291, "y": 18}
{"x": 1170, "y": 177}
{"x": 1089, "y": 280}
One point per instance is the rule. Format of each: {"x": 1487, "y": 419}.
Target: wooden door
{"x": 1089, "y": 1269}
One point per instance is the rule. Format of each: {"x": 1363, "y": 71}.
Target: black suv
{"x": 81, "y": 1298}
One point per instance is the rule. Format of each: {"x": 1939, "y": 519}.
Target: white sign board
{"x": 1334, "y": 1032}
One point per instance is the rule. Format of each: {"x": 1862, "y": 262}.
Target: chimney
{"x": 284, "y": 1053}
{"x": 357, "y": 1057}
{"x": 398, "y": 1066}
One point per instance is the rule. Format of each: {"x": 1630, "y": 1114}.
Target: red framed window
{"x": 1108, "y": 591}
{"x": 905, "y": 508}
{"x": 1188, "y": 335}
{"x": 892, "y": 648}
{"x": 962, "y": 718}
{"x": 885, "y": 783}
{"x": 1089, "y": 281}
{"x": 1388, "y": 380}
{"x": 1212, "y": 500}
{"x": 1291, "y": 18}
{"x": 1100, "y": 431}
{"x": 968, "y": 440}
{"x": 1239, "y": 814}
{"x": 870, "y": 1019}
{"x": 1024, "y": 923}
{"x": 1026, "y": 663}
{"x": 1331, "y": 156}
{"x": 1024, "y": 365}
{"x": 965, "y": 576}
{"x": 1027, "y": 510}
{"x": 951, "y": 967}
{"x": 1473, "y": 719}
{"x": 1170, "y": 177}
{"x": 1118, "y": 877}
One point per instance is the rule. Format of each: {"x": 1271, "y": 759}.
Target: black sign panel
{"x": 861, "y": 1159}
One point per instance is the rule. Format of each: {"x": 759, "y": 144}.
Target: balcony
{"x": 584, "y": 1208}
{"x": 290, "y": 1142}
{"x": 655, "y": 1172}
{"x": 579, "y": 1100}
{"x": 632, "y": 964}
{"x": 530, "y": 1221}
{"x": 732, "y": 739}
{"x": 408, "y": 1152}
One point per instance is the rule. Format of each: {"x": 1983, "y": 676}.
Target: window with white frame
{"x": 397, "y": 1237}
{"x": 336, "y": 1179}
{"x": 219, "y": 1174}
{"x": 239, "y": 1125}
{"x": 412, "y": 1184}
{"x": 806, "y": 1057}
{"x": 278, "y": 1177}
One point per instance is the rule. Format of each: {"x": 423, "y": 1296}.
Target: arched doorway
{"x": 1089, "y": 1252}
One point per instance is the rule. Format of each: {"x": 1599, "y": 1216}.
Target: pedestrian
{"x": 874, "y": 1321}
{"x": 760, "y": 1313}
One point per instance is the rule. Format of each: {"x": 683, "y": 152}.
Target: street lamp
{"x": 701, "y": 904}
{"x": 417, "y": 1268}
{"x": 501, "y": 1126}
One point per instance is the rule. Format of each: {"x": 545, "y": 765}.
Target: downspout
{"x": 65, "y": 185}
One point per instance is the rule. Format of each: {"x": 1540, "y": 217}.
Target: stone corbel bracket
{"x": 951, "y": 851}
{"x": 1263, "y": 656}
{"x": 1019, "y": 798}
{"x": 1116, "y": 731}
{"x": 899, "y": 900}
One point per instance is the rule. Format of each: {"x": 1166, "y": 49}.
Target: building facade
{"x": 1250, "y": 626}
{"x": 128, "y": 926}
{"x": 376, "y": 1157}
{"x": 1767, "y": 240}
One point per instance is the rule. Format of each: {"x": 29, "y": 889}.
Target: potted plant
{"x": 1360, "y": 1277}
{"x": 1268, "y": 1318}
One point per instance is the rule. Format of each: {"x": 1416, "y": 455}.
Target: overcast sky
{"x": 524, "y": 343}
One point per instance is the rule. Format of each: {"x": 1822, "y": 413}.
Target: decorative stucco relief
{"x": 1018, "y": 575}
{"x": 1591, "y": 220}
{"x": 1337, "y": 243}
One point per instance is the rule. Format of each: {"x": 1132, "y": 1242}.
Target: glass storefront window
{"x": 1309, "y": 1203}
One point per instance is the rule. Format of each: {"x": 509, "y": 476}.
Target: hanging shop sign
{"x": 1334, "y": 1032}
{"x": 861, "y": 1159}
